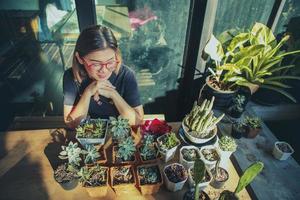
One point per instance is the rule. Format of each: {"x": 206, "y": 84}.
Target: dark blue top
{"x": 125, "y": 83}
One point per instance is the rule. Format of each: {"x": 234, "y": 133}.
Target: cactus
{"x": 227, "y": 143}
{"x": 199, "y": 173}
{"x": 201, "y": 119}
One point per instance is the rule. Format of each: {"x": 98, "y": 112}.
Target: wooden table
{"x": 26, "y": 170}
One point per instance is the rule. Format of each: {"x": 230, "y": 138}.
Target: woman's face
{"x": 100, "y": 64}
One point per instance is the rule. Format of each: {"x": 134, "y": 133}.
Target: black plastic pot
{"x": 69, "y": 185}
{"x": 234, "y": 113}
{"x": 189, "y": 195}
{"x": 227, "y": 195}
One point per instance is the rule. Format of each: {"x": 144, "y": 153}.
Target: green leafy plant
{"x": 120, "y": 128}
{"x": 189, "y": 154}
{"x": 252, "y": 122}
{"x": 199, "y": 173}
{"x": 149, "y": 175}
{"x": 94, "y": 129}
{"x": 122, "y": 174}
{"x": 91, "y": 154}
{"x": 201, "y": 120}
{"x": 148, "y": 150}
{"x": 252, "y": 59}
{"x": 227, "y": 143}
{"x": 93, "y": 176}
{"x": 168, "y": 141}
{"x": 238, "y": 103}
{"x": 249, "y": 174}
{"x": 126, "y": 149}
{"x": 72, "y": 153}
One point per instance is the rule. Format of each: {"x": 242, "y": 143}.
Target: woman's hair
{"x": 92, "y": 39}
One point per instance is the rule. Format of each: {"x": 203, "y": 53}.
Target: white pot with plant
{"x": 209, "y": 155}
{"x": 226, "y": 146}
{"x": 175, "y": 176}
{"x": 200, "y": 125}
{"x": 188, "y": 155}
{"x": 282, "y": 150}
{"x": 167, "y": 145}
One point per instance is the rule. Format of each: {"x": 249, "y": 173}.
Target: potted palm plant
{"x": 188, "y": 155}
{"x": 124, "y": 153}
{"x": 149, "y": 178}
{"x": 148, "y": 149}
{"x": 95, "y": 180}
{"x": 92, "y": 131}
{"x": 175, "y": 176}
{"x": 122, "y": 179}
{"x": 249, "y": 174}
{"x": 282, "y": 150}
{"x": 253, "y": 126}
{"x": 66, "y": 174}
{"x": 167, "y": 145}
{"x": 200, "y": 124}
{"x": 119, "y": 129}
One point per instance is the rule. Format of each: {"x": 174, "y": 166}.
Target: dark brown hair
{"x": 91, "y": 39}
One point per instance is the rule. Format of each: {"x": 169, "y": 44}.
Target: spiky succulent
{"x": 91, "y": 154}
{"x": 126, "y": 149}
{"x": 201, "y": 120}
{"x": 94, "y": 129}
{"x": 93, "y": 176}
{"x": 148, "y": 150}
{"x": 71, "y": 152}
{"x": 252, "y": 122}
{"x": 227, "y": 143}
{"x": 120, "y": 128}
{"x": 122, "y": 174}
{"x": 168, "y": 141}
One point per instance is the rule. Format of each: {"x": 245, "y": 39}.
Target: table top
{"x": 26, "y": 170}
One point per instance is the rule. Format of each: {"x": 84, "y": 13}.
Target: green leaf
{"x": 263, "y": 34}
{"x": 281, "y": 68}
{"x": 283, "y": 77}
{"x": 248, "y": 52}
{"x": 231, "y": 68}
{"x": 214, "y": 49}
{"x": 237, "y": 41}
{"x": 276, "y": 83}
{"x": 199, "y": 170}
{"x": 279, "y": 90}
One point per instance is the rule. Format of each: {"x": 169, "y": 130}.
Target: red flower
{"x": 155, "y": 126}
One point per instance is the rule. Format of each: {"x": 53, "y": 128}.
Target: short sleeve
{"x": 69, "y": 88}
{"x": 132, "y": 96}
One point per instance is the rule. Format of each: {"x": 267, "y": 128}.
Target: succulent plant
{"x": 148, "y": 150}
{"x": 93, "y": 176}
{"x": 122, "y": 174}
{"x": 94, "y": 129}
{"x": 239, "y": 126}
{"x": 71, "y": 152}
{"x": 120, "y": 128}
{"x": 238, "y": 102}
{"x": 210, "y": 154}
{"x": 126, "y": 149}
{"x": 201, "y": 120}
{"x": 252, "y": 122}
{"x": 227, "y": 143}
{"x": 149, "y": 175}
{"x": 91, "y": 154}
{"x": 189, "y": 154}
{"x": 168, "y": 141}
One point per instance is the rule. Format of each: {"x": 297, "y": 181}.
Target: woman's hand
{"x": 104, "y": 88}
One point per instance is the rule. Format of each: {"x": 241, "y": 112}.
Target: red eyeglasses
{"x": 111, "y": 66}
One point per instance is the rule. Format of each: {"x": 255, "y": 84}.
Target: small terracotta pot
{"x": 252, "y": 133}
{"x": 149, "y": 188}
{"x": 99, "y": 191}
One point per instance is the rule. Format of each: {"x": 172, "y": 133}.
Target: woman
{"x": 99, "y": 84}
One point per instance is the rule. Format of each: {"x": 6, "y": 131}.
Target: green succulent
{"x": 94, "y": 129}
{"x": 199, "y": 174}
{"x": 93, "y": 176}
{"x": 168, "y": 141}
{"x": 238, "y": 102}
{"x": 72, "y": 153}
{"x": 120, "y": 128}
{"x": 252, "y": 122}
{"x": 91, "y": 154}
{"x": 149, "y": 175}
{"x": 227, "y": 143}
{"x": 148, "y": 149}
{"x": 126, "y": 149}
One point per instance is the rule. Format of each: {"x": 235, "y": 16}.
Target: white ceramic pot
{"x": 203, "y": 185}
{"x": 185, "y": 163}
{"x": 189, "y": 135}
{"x": 209, "y": 164}
{"x": 171, "y": 185}
{"x": 280, "y": 155}
{"x": 225, "y": 157}
{"x": 168, "y": 154}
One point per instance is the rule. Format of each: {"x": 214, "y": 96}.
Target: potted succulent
{"x": 92, "y": 155}
{"x": 238, "y": 106}
{"x": 200, "y": 124}
{"x": 167, "y": 145}
{"x": 124, "y": 153}
{"x": 122, "y": 179}
{"x": 149, "y": 178}
{"x": 249, "y": 174}
{"x": 66, "y": 174}
{"x": 252, "y": 59}
{"x": 220, "y": 176}
{"x": 119, "y": 128}
{"x": 209, "y": 155}
{"x": 148, "y": 150}
{"x": 92, "y": 132}
{"x": 238, "y": 129}
{"x": 95, "y": 180}
{"x": 155, "y": 127}
{"x": 198, "y": 178}
{"x": 282, "y": 150}
{"x": 188, "y": 155}
{"x": 253, "y": 126}
{"x": 175, "y": 176}
{"x": 226, "y": 146}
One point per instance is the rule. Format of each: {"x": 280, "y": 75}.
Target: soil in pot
{"x": 122, "y": 175}
{"x": 189, "y": 195}
{"x": 67, "y": 178}
{"x": 284, "y": 148}
{"x": 176, "y": 173}
{"x": 219, "y": 179}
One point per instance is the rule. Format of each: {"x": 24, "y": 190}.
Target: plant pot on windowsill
{"x": 282, "y": 150}
{"x": 67, "y": 179}
{"x": 93, "y": 131}
{"x": 167, "y": 145}
{"x": 209, "y": 155}
{"x": 188, "y": 155}
{"x": 95, "y": 180}
{"x": 123, "y": 180}
{"x": 204, "y": 183}
{"x": 219, "y": 180}
{"x": 175, "y": 176}
{"x": 149, "y": 178}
